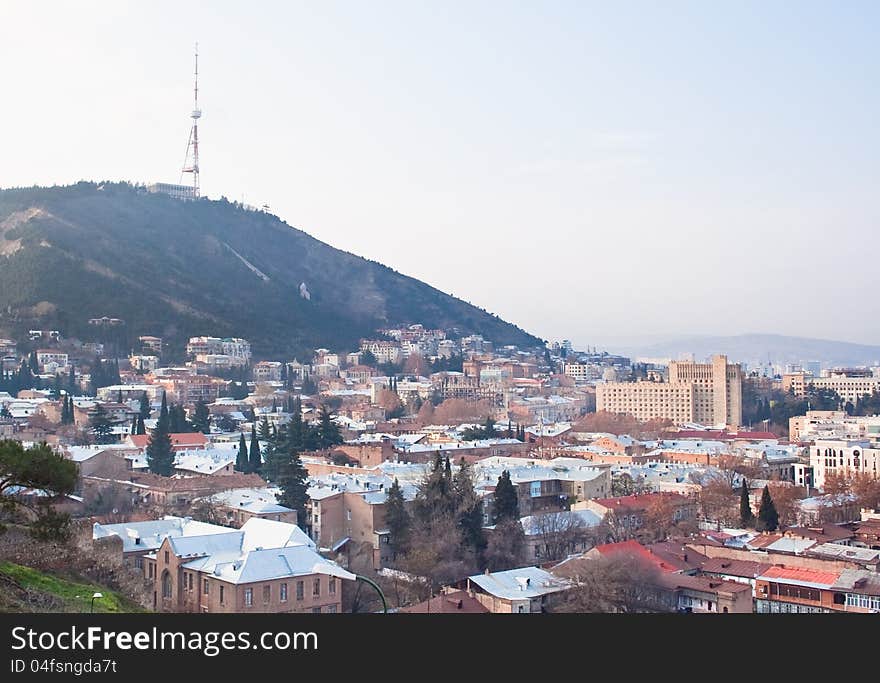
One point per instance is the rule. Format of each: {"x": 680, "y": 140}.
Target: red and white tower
{"x": 191, "y": 161}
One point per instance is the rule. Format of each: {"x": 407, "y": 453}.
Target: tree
{"x": 100, "y": 425}
{"x": 746, "y": 516}
{"x": 329, "y": 433}
{"x": 559, "y": 533}
{"x": 160, "y": 453}
{"x": 506, "y": 503}
{"x": 506, "y": 548}
{"x": 294, "y": 489}
{"x": 469, "y": 509}
{"x": 397, "y": 520}
{"x": 786, "y": 499}
{"x": 620, "y": 583}
{"x": 255, "y": 461}
{"x": 768, "y": 517}
{"x": 241, "y": 459}
{"x": 201, "y": 421}
{"x": 263, "y": 432}
{"x": 140, "y": 428}
{"x": 40, "y": 468}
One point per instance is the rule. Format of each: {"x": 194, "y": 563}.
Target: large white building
{"x": 239, "y": 350}
{"x": 843, "y": 456}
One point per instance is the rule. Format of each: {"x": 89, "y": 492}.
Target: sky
{"x": 604, "y": 172}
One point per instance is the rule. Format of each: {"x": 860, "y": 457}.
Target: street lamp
{"x": 94, "y": 596}
{"x": 378, "y": 590}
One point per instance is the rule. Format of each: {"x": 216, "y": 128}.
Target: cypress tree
{"x": 746, "y": 517}
{"x": 145, "y": 407}
{"x": 134, "y": 425}
{"x": 397, "y": 520}
{"x": 264, "y": 429}
{"x": 163, "y": 412}
{"x": 160, "y": 454}
{"x": 241, "y": 460}
{"x": 71, "y": 381}
{"x": 470, "y": 509}
{"x": 768, "y": 517}
{"x": 119, "y": 396}
{"x": 255, "y": 462}
{"x": 141, "y": 428}
{"x": 506, "y": 503}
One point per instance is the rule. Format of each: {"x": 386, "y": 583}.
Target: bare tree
{"x": 618, "y": 583}
{"x": 559, "y": 533}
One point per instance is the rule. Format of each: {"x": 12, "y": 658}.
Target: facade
{"x": 143, "y": 363}
{"x": 850, "y": 386}
{"x": 238, "y": 349}
{"x": 185, "y": 192}
{"x": 799, "y": 590}
{"x": 517, "y": 591}
{"x": 706, "y": 393}
{"x": 267, "y": 371}
{"x": 843, "y": 456}
{"x": 151, "y": 344}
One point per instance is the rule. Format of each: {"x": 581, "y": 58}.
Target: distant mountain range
{"x": 760, "y": 348}
{"x": 175, "y": 269}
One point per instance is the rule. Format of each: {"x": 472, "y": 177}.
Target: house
{"x": 265, "y": 566}
{"x": 518, "y": 591}
{"x": 179, "y": 442}
{"x": 784, "y": 589}
{"x": 707, "y": 595}
{"x": 555, "y": 535}
{"x": 452, "y": 602}
{"x": 632, "y": 512}
{"x": 237, "y": 506}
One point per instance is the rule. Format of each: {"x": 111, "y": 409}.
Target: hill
{"x": 755, "y": 348}
{"x": 23, "y": 589}
{"x": 176, "y": 269}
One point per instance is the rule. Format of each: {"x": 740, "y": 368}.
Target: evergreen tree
{"x": 329, "y": 433}
{"x": 506, "y": 503}
{"x": 263, "y": 433}
{"x": 255, "y": 461}
{"x": 296, "y": 429}
{"x": 101, "y": 426}
{"x": 201, "y": 421}
{"x": 119, "y": 396}
{"x": 163, "y": 411}
{"x": 141, "y": 428}
{"x": 241, "y": 460}
{"x": 470, "y": 509}
{"x": 768, "y": 517}
{"x": 56, "y": 387}
{"x": 71, "y": 381}
{"x": 160, "y": 454}
{"x": 134, "y": 426}
{"x": 397, "y": 520}
{"x": 33, "y": 364}
{"x": 746, "y": 517}
{"x": 145, "y": 406}
{"x": 294, "y": 489}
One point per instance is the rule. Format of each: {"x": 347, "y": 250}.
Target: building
{"x": 265, "y": 566}
{"x": 185, "y": 192}
{"x": 150, "y": 344}
{"x": 267, "y": 371}
{"x": 850, "y": 385}
{"x": 843, "y": 456}
{"x": 704, "y": 393}
{"x": 783, "y": 589}
{"x": 518, "y": 591}
{"x": 632, "y": 512}
{"x": 51, "y": 359}
{"x": 238, "y": 349}
{"x": 143, "y": 364}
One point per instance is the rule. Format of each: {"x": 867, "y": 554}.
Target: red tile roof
{"x": 722, "y": 435}
{"x": 637, "y": 549}
{"x": 459, "y": 602}
{"x": 642, "y": 501}
{"x": 814, "y": 576}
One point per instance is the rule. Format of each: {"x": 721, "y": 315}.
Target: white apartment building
{"x": 238, "y": 349}
{"x": 843, "y": 456}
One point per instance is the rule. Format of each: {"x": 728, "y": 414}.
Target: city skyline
{"x": 546, "y": 164}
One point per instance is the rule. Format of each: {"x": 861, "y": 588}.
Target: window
{"x": 316, "y": 588}
{"x": 205, "y": 587}
{"x": 249, "y": 596}
{"x": 299, "y": 590}
{"x": 139, "y": 562}
{"x": 283, "y": 592}
{"x": 331, "y": 609}
{"x": 267, "y": 594}
{"x": 221, "y": 595}
{"x": 332, "y": 584}
{"x": 316, "y": 610}
{"x": 166, "y": 584}
{"x": 166, "y": 557}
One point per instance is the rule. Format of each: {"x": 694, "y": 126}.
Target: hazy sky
{"x": 598, "y": 171}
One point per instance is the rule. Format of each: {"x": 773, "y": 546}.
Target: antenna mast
{"x": 191, "y": 160}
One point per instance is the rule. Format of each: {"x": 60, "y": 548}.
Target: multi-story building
{"x": 843, "y": 456}
{"x": 51, "y": 357}
{"x": 186, "y": 387}
{"x": 850, "y": 385}
{"x": 151, "y": 344}
{"x": 384, "y": 351}
{"x": 267, "y": 371}
{"x": 8, "y": 347}
{"x": 143, "y": 363}
{"x": 238, "y": 349}
{"x": 795, "y": 589}
{"x": 830, "y": 424}
{"x": 706, "y": 393}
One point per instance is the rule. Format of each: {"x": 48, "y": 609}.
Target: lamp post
{"x": 378, "y": 590}
{"x": 94, "y": 596}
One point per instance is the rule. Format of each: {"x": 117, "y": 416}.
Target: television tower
{"x": 191, "y": 160}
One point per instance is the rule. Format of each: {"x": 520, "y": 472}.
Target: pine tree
{"x": 296, "y": 430}
{"x": 469, "y": 509}
{"x": 201, "y": 421}
{"x": 294, "y": 489}
{"x": 506, "y": 503}
{"x": 768, "y": 517}
{"x": 397, "y": 520}
{"x": 241, "y": 461}
{"x": 329, "y": 433}
{"x": 255, "y": 461}
{"x": 163, "y": 411}
{"x": 160, "y": 453}
{"x": 746, "y": 516}
{"x": 100, "y": 425}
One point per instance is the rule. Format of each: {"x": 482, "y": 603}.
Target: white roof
{"x": 267, "y": 533}
{"x": 520, "y": 584}
{"x": 258, "y": 501}
{"x": 153, "y": 532}
{"x": 535, "y": 524}
{"x": 268, "y": 564}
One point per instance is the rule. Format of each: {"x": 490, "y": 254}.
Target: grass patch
{"x": 75, "y": 593}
